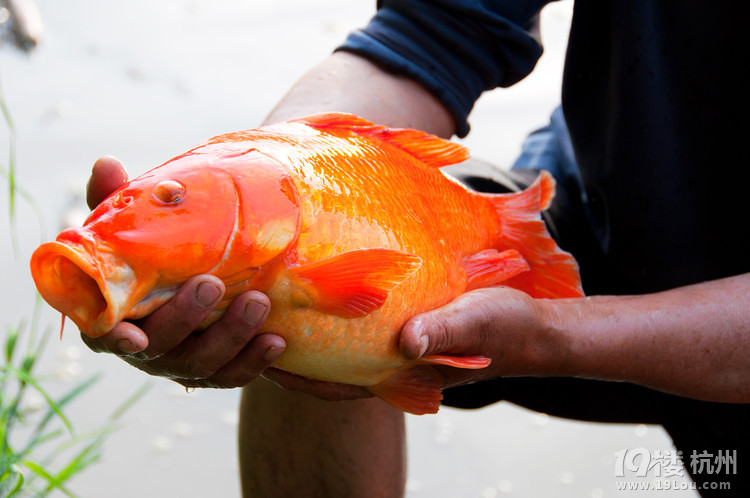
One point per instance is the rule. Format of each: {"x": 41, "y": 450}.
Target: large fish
{"x": 349, "y": 227}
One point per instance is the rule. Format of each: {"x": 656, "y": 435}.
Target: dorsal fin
{"x": 333, "y": 120}
{"x": 430, "y": 149}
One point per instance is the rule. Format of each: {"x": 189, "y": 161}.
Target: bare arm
{"x": 692, "y": 341}
{"x": 348, "y": 83}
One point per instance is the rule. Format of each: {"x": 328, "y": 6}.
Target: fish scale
{"x": 349, "y": 227}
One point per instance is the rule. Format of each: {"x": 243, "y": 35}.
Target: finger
{"x": 170, "y": 324}
{"x": 204, "y": 355}
{"x": 259, "y": 354}
{"x": 414, "y": 339}
{"x": 329, "y": 391}
{"x": 124, "y": 339}
{"x": 458, "y": 327}
{"x": 107, "y": 175}
{"x": 429, "y": 333}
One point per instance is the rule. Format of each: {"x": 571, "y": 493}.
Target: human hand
{"x": 517, "y": 332}
{"x": 230, "y": 353}
{"x": 328, "y": 391}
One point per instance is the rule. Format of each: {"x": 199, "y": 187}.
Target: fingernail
{"x": 127, "y": 347}
{"x": 207, "y": 294}
{"x": 424, "y": 343}
{"x": 272, "y": 353}
{"x": 254, "y": 312}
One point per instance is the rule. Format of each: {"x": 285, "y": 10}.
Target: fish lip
{"x": 74, "y": 274}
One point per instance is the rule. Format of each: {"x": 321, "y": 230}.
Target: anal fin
{"x": 415, "y": 394}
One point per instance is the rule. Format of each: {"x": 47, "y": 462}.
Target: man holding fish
{"x": 652, "y": 100}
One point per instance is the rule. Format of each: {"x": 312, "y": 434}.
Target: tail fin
{"x": 553, "y": 273}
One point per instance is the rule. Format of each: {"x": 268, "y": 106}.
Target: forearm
{"x": 692, "y": 341}
{"x": 347, "y": 83}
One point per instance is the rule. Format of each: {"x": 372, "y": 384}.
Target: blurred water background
{"x": 146, "y": 80}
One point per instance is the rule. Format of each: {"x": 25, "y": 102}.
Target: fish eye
{"x": 169, "y": 192}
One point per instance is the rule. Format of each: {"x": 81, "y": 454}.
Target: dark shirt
{"x": 653, "y": 96}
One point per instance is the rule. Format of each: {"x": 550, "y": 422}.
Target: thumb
{"x": 456, "y": 328}
{"x": 414, "y": 341}
{"x": 107, "y": 175}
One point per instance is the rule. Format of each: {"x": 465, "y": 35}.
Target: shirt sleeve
{"x": 457, "y": 49}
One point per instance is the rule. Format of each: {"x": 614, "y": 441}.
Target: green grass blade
{"x": 52, "y": 482}
{"x": 25, "y": 377}
{"x": 88, "y": 455}
{"x": 11, "y": 169}
{"x": 10, "y": 345}
{"x": 130, "y": 401}
{"x": 10, "y": 473}
{"x": 38, "y": 434}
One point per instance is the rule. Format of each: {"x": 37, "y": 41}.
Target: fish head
{"x": 195, "y": 214}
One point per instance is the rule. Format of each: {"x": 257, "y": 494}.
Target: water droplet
{"x": 641, "y": 430}
{"x": 32, "y": 401}
{"x": 505, "y": 486}
{"x": 229, "y": 417}
{"x": 62, "y": 109}
{"x": 597, "y": 493}
{"x": 413, "y": 486}
{"x": 178, "y": 391}
{"x": 541, "y": 419}
{"x": 71, "y": 353}
{"x": 183, "y": 429}
{"x": 162, "y": 444}
{"x": 567, "y": 477}
{"x": 74, "y": 369}
{"x": 444, "y": 430}
{"x": 489, "y": 493}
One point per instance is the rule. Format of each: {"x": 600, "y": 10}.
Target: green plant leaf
{"x": 25, "y": 377}
{"x": 10, "y": 473}
{"x": 10, "y": 345}
{"x": 37, "y": 436}
{"x": 52, "y": 482}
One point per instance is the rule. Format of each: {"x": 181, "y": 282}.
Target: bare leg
{"x": 292, "y": 444}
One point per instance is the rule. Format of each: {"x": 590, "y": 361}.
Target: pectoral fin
{"x": 355, "y": 283}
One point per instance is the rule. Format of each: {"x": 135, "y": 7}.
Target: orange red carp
{"x": 349, "y": 227}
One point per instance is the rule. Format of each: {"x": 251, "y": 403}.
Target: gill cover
{"x": 268, "y": 214}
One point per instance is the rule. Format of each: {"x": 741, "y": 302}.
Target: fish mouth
{"x": 91, "y": 288}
